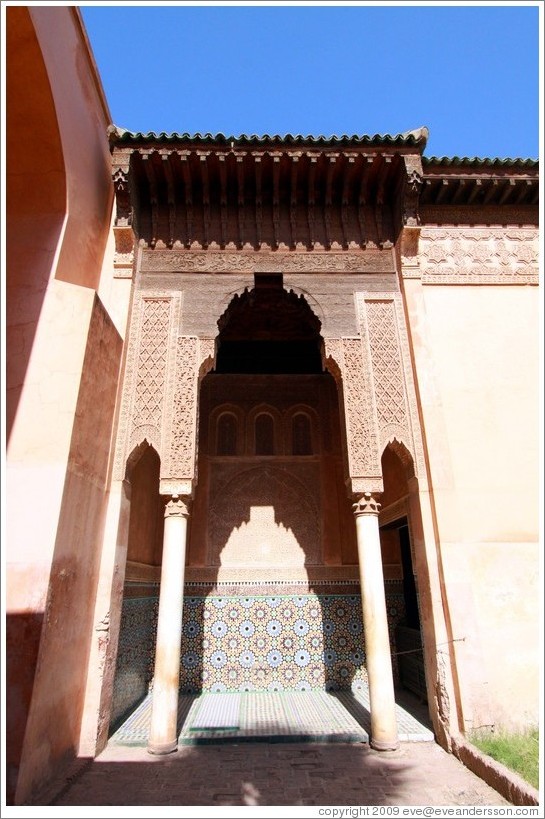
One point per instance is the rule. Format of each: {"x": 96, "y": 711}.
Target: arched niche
{"x": 268, "y": 329}
{"x": 146, "y": 521}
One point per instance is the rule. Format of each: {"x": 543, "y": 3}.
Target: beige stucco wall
{"x": 477, "y": 355}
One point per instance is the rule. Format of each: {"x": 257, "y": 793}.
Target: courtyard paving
{"x": 215, "y": 768}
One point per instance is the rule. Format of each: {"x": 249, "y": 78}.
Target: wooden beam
{"x": 313, "y": 158}
{"x": 188, "y": 195}
{"x": 508, "y": 189}
{"x": 222, "y": 157}
{"x": 293, "y": 198}
{"x": 203, "y": 157}
{"x": 152, "y": 180}
{"x": 383, "y": 174}
{"x": 493, "y": 186}
{"x": 523, "y": 190}
{"x": 475, "y": 190}
{"x": 367, "y": 161}
{"x": 239, "y": 157}
{"x": 276, "y": 157}
{"x": 171, "y": 196}
{"x": 443, "y": 187}
{"x": 258, "y": 197}
{"x": 332, "y": 159}
{"x": 460, "y": 189}
{"x": 348, "y": 168}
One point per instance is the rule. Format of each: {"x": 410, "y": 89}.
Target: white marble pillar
{"x": 163, "y": 738}
{"x": 375, "y": 623}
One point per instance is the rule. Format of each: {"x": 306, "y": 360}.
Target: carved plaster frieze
{"x": 193, "y": 358}
{"x": 148, "y": 369}
{"x": 175, "y": 487}
{"x": 479, "y": 255}
{"x": 368, "y": 261}
{"x": 181, "y": 415}
{"x": 383, "y": 327}
{"x": 347, "y": 360}
{"x": 123, "y": 269}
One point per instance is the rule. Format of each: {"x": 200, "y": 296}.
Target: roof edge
{"x": 417, "y": 137}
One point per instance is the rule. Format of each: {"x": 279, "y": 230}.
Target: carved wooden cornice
{"x": 279, "y": 197}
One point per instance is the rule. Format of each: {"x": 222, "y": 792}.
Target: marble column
{"x": 163, "y": 737}
{"x": 375, "y": 623}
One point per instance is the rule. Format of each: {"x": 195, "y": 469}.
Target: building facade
{"x": 276, "y": 403}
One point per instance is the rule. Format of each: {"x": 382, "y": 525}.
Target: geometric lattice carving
{"x": 479, "y": 255}
{"x": 154, "y": 321}
{"x": 387, "y": 369}
{"x": 382, "y": 322}
{"x": 151, "y": 363}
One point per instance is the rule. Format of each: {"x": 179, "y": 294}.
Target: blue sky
{"x": 469, "y": 73}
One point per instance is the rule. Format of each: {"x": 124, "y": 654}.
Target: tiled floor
{"x": 212, "y": 768}
{"x": 295, "y": 716}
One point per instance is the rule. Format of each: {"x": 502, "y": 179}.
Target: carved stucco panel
{"x": 372, "y": 261}
{"x": 180, "y": 434}
{"x": 354, "y": 371}
{"x": 479, "y": 255}
{"x": 382, "y": 323}
{"x": 265, "y": 517}
{"x": 192, "y": 359}
{"x": 155, "y": 318}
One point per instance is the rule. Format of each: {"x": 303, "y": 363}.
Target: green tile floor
{"x": 279, "y": 716}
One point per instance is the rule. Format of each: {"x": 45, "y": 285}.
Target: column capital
{"x": 178, "y": 506}
{"x": 366, "y": 504}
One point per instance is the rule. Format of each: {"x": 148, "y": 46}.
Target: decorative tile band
{"x": 253, "y": 642}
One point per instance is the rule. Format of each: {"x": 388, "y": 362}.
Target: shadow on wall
{"x": 23, "y": 633}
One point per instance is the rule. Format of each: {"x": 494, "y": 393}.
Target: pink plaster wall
{"x": 35, "y": 195}
{"x": 54, "y": 717}
{"x": 83, "y": 117}
{"x": 62, "y": 372}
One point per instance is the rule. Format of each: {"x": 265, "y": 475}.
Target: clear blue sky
{"x": 469, "y": 73}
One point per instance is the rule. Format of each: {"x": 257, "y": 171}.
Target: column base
{"x": 162, "y": 748}
{"x": 382, "y": 745}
